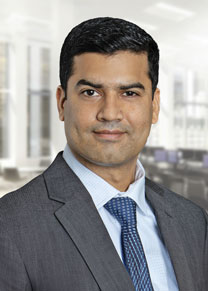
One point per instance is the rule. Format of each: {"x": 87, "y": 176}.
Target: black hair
{"x": 107, "y": 35}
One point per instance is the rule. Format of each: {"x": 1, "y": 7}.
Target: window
{"x": 4, "y": 98}
{"x": 38, "y": 101}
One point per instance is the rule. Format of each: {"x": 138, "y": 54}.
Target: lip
{"x": 109, "y": 134}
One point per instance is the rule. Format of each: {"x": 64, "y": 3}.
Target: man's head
{"x": 108, "y": 97}
{"x": 107, "y": 35}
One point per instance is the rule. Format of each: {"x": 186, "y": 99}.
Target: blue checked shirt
{"x": 159, "y": 263}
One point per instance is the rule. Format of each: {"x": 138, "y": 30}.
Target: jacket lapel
{"x": 170, "y": 231}
{"x": 82, "y": 222}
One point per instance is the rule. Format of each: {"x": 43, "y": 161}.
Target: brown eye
{"x": 130, "y": 93}
{"x": 90, "y": 93}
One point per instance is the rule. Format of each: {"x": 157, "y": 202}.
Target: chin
{"x": 105, "y": 162}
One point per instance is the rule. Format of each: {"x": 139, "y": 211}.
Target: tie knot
{"x": 124, "y": 210}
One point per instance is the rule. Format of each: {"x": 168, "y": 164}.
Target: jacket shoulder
{"x": 31, "y": 195}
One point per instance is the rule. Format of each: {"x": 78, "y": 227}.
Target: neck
{"x": 120, "y": 177}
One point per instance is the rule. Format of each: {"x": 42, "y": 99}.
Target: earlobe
{"x": 60, "y": 97}
{"x": 156, "y": 106}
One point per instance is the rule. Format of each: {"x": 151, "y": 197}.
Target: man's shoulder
{"x": 38, "y": 193}
{"x": 32, "y": 192}
{"x": 25, "y": 196}
{"x": 181, "y": 207}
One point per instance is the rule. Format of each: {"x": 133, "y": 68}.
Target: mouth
{"x": 109, "y": 134}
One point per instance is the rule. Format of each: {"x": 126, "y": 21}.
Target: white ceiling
{"x": 179, "y": 26}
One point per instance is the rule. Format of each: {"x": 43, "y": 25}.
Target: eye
{"x": 130, "y": 93}
{"x": 90, "y": 93}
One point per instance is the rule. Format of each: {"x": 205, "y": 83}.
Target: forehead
{"x": 121, "y": 66}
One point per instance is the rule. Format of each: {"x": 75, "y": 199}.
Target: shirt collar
{"x": 101, "y": 191}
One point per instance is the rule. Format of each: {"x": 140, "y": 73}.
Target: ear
{"x": 60, "y": 97}
{"x": 155, "y": 106}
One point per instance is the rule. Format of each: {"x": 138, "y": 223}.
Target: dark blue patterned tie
{"x": 124, "y": 210}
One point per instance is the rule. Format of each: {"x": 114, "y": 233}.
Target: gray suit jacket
{"x": 53, "y": 239}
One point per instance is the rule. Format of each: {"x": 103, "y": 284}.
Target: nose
{"x": 110, "y": 109}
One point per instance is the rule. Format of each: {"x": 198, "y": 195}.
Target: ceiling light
{"x": 174, "y": 9}
{"x": 169, "y": 11}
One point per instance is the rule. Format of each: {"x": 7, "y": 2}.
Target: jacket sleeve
{"x": 13, "y": 275}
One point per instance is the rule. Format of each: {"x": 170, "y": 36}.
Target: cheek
{"x": 141, "y": 118}
{"x": 78, "y": 118}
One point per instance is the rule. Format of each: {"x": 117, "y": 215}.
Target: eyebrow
{"x": 134, "y": 85}
{"x": 98, "y": 86}
{"x": 88, "y": 83}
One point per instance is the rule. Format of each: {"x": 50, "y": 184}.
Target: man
{"x": 91, "y": 221}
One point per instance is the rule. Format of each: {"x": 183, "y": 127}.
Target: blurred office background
{"x": 31, "y": 35}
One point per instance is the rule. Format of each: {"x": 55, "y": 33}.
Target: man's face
{"x": 109, "y": 109}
